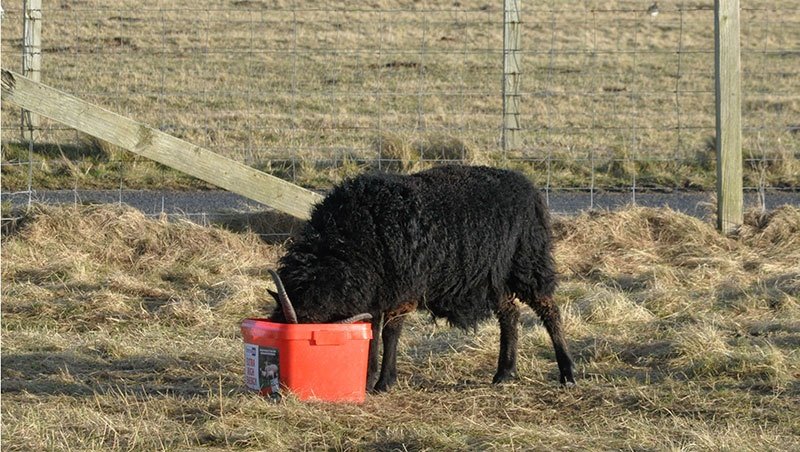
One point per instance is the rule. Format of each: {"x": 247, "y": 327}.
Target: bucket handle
{"x": 329, "y": 337}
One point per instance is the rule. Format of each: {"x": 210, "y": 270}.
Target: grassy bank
{"x": 120, "y": 332}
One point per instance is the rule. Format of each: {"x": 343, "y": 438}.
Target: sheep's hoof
{"x": 505, "y": 377}
{"x": 381, "y": 386}
{"x": 568, "y": 381}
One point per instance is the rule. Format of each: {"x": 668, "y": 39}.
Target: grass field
{"x": 120, "y": 332}
{"x": 612, "y": 97}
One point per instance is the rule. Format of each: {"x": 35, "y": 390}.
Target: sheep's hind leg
{"x": 508, "y": 316}
{"x": 548, "y": 311}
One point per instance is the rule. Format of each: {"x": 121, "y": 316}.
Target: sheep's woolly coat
{"x": 461, "y": 242}
{"x": 454, "y": 239}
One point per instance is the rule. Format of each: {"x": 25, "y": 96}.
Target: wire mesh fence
{"x": 615, "y": 95}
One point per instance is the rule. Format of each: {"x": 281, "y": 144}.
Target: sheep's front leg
{"x": 391, "y": 336}
{"x": 374, "y": 346}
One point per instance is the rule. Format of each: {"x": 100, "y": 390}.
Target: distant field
{"x": 120, "y": 332}
{"x": 612, "y": 97}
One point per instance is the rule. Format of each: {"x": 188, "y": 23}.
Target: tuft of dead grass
{"x": 626, "y": 240}
{"x": 103, "y": 265}
{"x": 776, "y": 232}
{"x": 120, "y": 332}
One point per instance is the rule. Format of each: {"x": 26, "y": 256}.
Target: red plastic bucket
{"x": 322, "y": 361}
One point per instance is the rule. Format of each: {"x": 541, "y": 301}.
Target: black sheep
{"x": 461, "y": 242}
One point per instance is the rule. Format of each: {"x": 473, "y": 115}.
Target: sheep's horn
{"x": 283, "y": 297}
{"x": 357, "y": 318}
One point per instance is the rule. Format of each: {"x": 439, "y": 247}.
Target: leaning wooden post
{"x": 728, "y": 66}
{"x": 31, "y": 59}
{"x": 157, "y": 145}
{"x": 511, "y": 76}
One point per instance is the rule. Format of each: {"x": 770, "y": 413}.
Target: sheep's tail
{"x": 283, "y": 297}
{"x": 357, "y": 318}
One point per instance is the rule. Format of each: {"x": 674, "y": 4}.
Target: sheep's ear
{"x": 274, "y": 295}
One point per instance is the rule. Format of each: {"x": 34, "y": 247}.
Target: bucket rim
{"x": 260, "y": 327}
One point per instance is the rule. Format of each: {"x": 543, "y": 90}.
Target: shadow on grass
{"x": 640, "y": 362}
{"x": 13, "y": 220}
{"x": 773, "y": 293}
{"x": 80, "y": 375}
{"x": 465, "y": 353}
{"x": 393, "y": 445}
{"x": 272, "y": 227}
{"x": 20, "y": 150}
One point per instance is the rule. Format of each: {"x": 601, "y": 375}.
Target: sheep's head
{"x": 285, "y": 313}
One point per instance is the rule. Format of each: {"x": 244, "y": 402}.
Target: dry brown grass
{"x": 120, "y": 332}
{"x": 610, "y": 95}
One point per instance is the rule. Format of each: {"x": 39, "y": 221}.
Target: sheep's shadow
{"x": 478, "y": 350}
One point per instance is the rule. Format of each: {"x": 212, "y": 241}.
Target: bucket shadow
{"x": 82, "y": 375}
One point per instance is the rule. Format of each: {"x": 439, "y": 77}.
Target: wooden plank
{"x": 511, "y": 76}
{"x": 31, "y": 59}
{"x": 159, "y": 146}
{"x": 729, "y": 115}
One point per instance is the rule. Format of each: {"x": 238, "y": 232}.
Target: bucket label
{"x": 251, "y": 366}
{"x": 262, "y": 372}
{"x": 268, "y": 375}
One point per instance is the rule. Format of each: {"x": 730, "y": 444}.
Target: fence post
{"x": 728, "y": 91}
{"x": 31, "y": 58}
{"x": 511, "y": 76}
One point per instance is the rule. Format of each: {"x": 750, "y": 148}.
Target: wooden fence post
{"x": 728, "y": 92}
{"x": 31, "y": 59}
{"x": 511, "y": 76}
